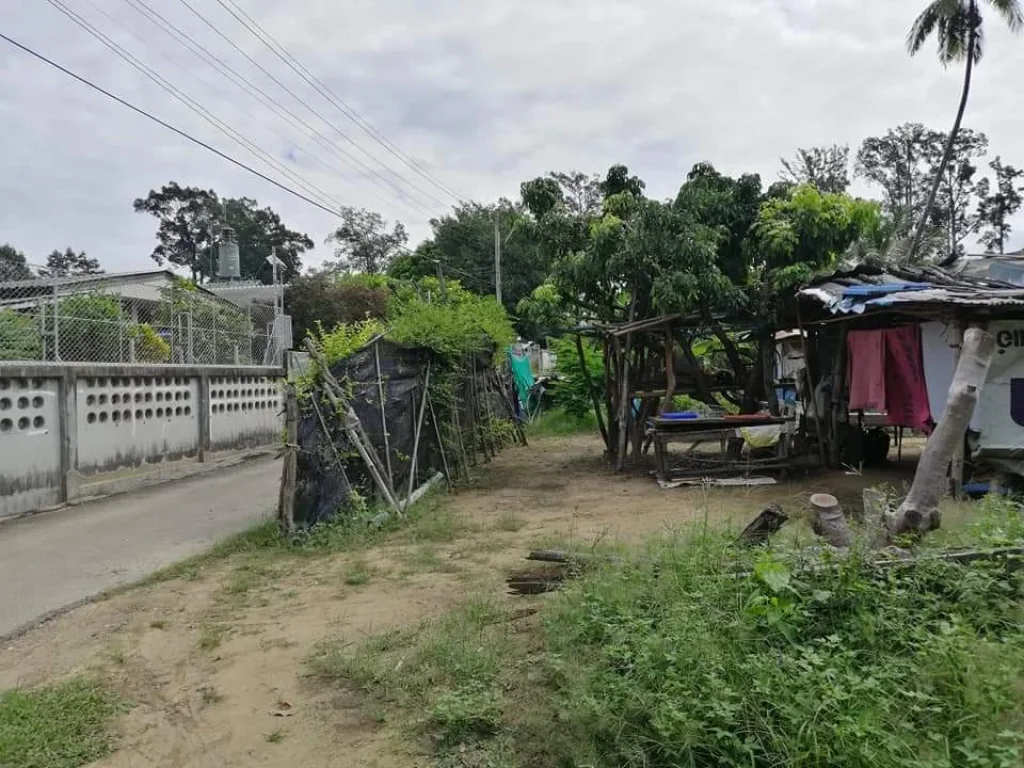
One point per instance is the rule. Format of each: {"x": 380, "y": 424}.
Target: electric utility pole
{"x": 497, "y": 258}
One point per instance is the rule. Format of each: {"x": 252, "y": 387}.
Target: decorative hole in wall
{"x": 23, "y": 403}
{"x": 5, "y": 403}
{"x": 6, "y": 425}
{"x": 103, "y": 417}
{"x": 38, "y": 422}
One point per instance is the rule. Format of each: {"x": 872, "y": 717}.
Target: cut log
{"x": 919, "y": 512}
{"x": 829, "y": 521}
{"x": 763, "y": 526}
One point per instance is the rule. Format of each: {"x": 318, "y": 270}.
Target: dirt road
{"x": 56, "y": 559}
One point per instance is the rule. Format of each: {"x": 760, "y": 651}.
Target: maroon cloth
{"x": 866, "y": 370}
{"x": 906, "y": 395}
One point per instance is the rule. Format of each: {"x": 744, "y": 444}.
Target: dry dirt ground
{"x": 213, "y": 662}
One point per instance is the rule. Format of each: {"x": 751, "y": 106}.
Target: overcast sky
{"x": 482, "y": 94}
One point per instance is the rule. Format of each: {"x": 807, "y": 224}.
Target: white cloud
{"x": 485, "y": 95}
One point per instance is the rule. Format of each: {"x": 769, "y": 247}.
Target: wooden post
{"x": 624, "y": 404}
{"x": 289, "y": 472}
{"x": 956, "y": 465}
{"x": 838, "y": 387}
{"x": 670, "y": 371}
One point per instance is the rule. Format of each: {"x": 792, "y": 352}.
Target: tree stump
{"x": 919, "y": 512}
{"x": 829, "y": 521}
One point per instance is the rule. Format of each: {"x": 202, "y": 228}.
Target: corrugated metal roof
{"x": 868, "y": 288}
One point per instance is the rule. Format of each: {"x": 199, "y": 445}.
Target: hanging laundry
{"x": 866, "y": 370}
{"x": 906, "y": 394}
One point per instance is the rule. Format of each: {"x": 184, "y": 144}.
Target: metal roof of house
{"x": 865, "y": 289}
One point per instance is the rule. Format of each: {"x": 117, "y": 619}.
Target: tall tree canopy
{"x": 999, "y": 202}
{"x": 186, "y": 230}
{"x": 363, "y": 242}
{"x": 13, "y": 265}
{"x": 827, "y": 168}
{"x": 189, "y": 225}
{"x": 70, "y": 262}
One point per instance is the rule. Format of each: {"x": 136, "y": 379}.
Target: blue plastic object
{"x": 680, "y": 415}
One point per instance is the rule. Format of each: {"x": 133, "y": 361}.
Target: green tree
{"x": 996, "y": 208}
{"x": 363, "y": 242}
{"x": 959, "y": 190}
{"x": 187, "y": 226}
{"x": 13, "y": 265}
{"x": 957, "y": 26}
{"x": 826, "y": 168}
{"x": 728, "y": 205}
{"x": 70, "y": 262}
{"x": 329, "y": 299}
{"x": 260, "y": 233}
{"x": 900, "y": 163}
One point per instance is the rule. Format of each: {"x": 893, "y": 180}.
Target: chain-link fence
{"x": 139, "y": 317}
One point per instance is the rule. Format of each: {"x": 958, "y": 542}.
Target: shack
{"x": 885, "y": 342}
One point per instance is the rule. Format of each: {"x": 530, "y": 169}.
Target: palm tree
{"x": 957, "y": 26}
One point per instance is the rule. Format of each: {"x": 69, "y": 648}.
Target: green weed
{"x": 358, "y": 573}
{"x": 212, "y": 635}
{"x": 60, "y": 726}
{"x": 275, "y": 737}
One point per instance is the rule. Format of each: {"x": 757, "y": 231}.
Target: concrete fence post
{"x": 204, "y": 416}
{"x": 67, "y": 390}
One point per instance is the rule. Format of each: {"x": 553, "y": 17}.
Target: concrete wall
{"x": 68, "y": 431}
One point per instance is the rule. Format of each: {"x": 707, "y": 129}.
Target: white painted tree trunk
{"x": 920, "y": 510}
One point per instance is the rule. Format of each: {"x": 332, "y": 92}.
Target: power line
{"x": 315, "y": 112}
{"x": 252, "y": 89}
{"x": 282, "y": 53}
{"x": 168, "y": 126}
{"x": 223, "y": 127}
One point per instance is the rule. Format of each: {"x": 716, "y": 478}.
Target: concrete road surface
{"x": 54, "y": 559}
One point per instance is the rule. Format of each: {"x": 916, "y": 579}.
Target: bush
{"x": 91, "y": 328}
{"x": 19, "y": 337}
{"x": 461, "y": 324}
{"x": 149, "y": 347}
{"x": 330, "y": 300}
{"x": 571, "y": 393}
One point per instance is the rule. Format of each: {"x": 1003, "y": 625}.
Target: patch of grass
{"x": 449, "y": 668}
{"x": 691, "y": 652}
{"x": 558, "y": 423}
{"x": 357, "y": 573}
{"x": 277, "y": 643}
{"x": 212, "y": 635}
{"x": 210, "y": 695}
{"x": 276, "y": 736}
{"x": 508, "y": 521}
{"x": 60, "y": 726}
{"x": 158, "y": 624}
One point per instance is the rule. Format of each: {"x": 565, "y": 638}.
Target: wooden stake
{"x": 289, "y": 472}
{"x": 383, "y": 415}
{"x": 416, "y": 436}
{"x": 440, "y": 440}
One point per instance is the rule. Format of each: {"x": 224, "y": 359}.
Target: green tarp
{"x": 522, "y": 376}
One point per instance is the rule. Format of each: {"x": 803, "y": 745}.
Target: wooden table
{"x": 665, "y": 431}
